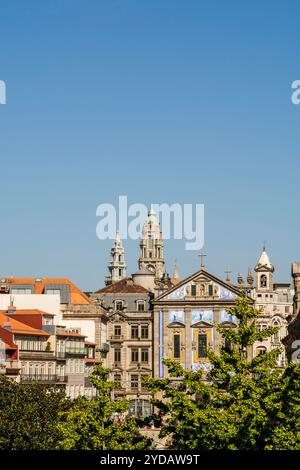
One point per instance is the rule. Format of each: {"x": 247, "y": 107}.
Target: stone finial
{"x": 250, "y": 278}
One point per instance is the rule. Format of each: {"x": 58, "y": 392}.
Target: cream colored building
{"x": 129, "y": 335}
{"x": 275, "y": 299}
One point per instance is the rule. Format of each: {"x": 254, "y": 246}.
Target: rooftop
{"x": 124, "y": 286}
{"x": 76, "y": 295}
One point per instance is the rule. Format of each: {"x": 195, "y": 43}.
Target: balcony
{"x": 45, "y": 379}
{"x": 116, "y": 337}
{"x": 31, "y": 355}
{"x": 75, "y": 352}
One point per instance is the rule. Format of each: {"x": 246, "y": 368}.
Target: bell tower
{"x": 264, "y": 273}
{"x": 152, "y": 247}
{"x": 116, "y": 265}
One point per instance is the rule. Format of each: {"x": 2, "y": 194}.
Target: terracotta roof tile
{"x": 19, "y": 327}
{"x": 29, "y": 311}
{"x": 77, "y": 296}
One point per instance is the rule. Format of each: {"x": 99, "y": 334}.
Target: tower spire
{"x": 175, "y": 271}
{"x": 117, "y": 264}
{"x": 152, "y": 247}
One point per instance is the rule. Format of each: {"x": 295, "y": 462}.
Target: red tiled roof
{"x": 7, "y": 338}
{"x": 124, "y": 286}
{"x": 28, "y": 311}
{"x": 77, "y": 296}
{"x": 174, "y": 281}
{"x": 19, "y": 327}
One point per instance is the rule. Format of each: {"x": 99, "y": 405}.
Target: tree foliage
{"x": 243, "y": 403}
{"x": 90, "y": 424}
{"x": 29, "y": 416}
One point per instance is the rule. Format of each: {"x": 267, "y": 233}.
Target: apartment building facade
{"x": 129, "y": 335}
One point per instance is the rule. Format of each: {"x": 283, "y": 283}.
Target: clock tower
{"x": 152, "y": 247}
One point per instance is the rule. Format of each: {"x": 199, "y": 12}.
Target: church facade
{"x": 185, "y": 319}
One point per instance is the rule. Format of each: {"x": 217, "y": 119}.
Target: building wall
{"x": 46, "y": 303}
{"x": 276, "y": 305}
{"x": 125, "y": 319}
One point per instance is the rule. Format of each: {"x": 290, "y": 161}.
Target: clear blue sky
{"x": 162, "y": 100}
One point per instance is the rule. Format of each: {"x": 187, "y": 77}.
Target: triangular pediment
{"x": 265, "y": 268}
{"x": 206, "y": 286}
{"x": 202, "y": 324}
{"x": 228, "y": 324}
{"x": 176, "y": 324}
{"x": 117, "y": 316}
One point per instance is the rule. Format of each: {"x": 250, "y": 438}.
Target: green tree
{"x": 29, "y": 416}
{"x": 90, "y": 424}
{"x": 243, "y": 403}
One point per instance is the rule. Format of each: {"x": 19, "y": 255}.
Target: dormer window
{"x": 141, "y": 306}
{"x": 119, "y": 305}
{"x": 53, "y": 291}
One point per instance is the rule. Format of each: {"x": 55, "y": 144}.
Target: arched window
{"x": 276, "y": 336}
{"x": 260, "y": 350}
{"x": 263, "y": 280}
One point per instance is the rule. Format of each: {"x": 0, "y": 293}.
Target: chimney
{"x": 11, "y": 309}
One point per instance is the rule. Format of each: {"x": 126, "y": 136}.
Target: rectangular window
{"x": 134, "y": 331}
{"x": 119, "y": 305}
{"x": 144, "y": 331}
{"x": 53, "y": 292}
{"x": 176, "y": 346}
{"x": 202, "y": 345}
{"x": 145, "y": 355}
{"x": 117, "y": 330}
{"x": 117, "y": 380}
{"x": 20, "y": 291}
{"x": 117, "y": 355}
{"x": 227, "y": 345}
{"x": 134, "y": 355}
{"x": 143, "y": 385}
{"x": 141, "y": 306}
{"x": 210, "y": 289}
{"x": 134, "y": 381}
{"x": 193, "y": 290}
